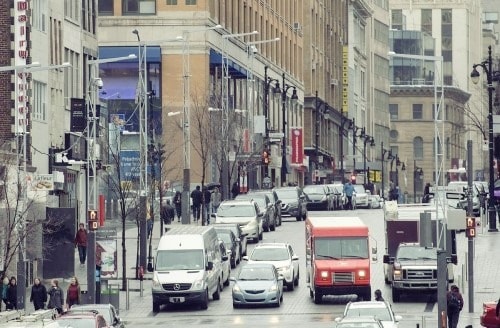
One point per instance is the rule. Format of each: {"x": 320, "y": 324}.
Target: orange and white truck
{"x": 338, "y": 257}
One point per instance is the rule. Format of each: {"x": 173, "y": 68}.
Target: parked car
{"x": 375, "y": 201}
{"x": 246, "y": 213}
{"x": 232, "y": 245}
{"x": 319, "y": 197}
{"x": 359, "y": 322}
{"x": 336, "y": 192}
{"x": 362, "y": 198}
{"x": 282, "y": 256}
{"x": 293, "y": 202}
{"x": 226, "y": 263}
{"x": 380, "y": 310}
{"x": 107, "y": 310}
{"x": 489, "y": 318}
{"x": 236, "y": 229}
{"x": 266, "y": 207}
{"x": 82, "y": 320}
{"x": 257, "y": 284}
{"x": 274, "y": 200}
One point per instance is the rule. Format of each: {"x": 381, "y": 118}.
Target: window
{"x": 171, "y": 2}
{"x": 39, "y": 15}
{"x": 418, "y": 147}
{"x": 72, "y": 10}
{"x": 417, "y": 111}
{"x": 191, "y": 2}
{"x": 381, "y": 32}
{"x": 397, "y": 19}
{"x": 105, "y": 7}
{"x": 426, "y": 16}
{"x": 139, "y": 7}
{"x": 39, "y": 109}
{"x": 394, "y": 111}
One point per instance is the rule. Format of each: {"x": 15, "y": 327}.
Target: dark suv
{"x": 274, "y": 200}
{"x": 293, "y": 202}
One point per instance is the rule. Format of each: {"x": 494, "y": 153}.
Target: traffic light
{"x": 470, "y": 229}
{"x": 353, "y": 179}
{"x": 93, "y": 220}
{"x": 266, "y": 157}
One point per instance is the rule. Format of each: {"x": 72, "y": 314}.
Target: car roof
{"x": 237, "y": 202}
{"x": 269, "y": 245}
{"x": 257, "y": 265}
{"x": 367, "y": 304}
{"x": 91, "y": 306}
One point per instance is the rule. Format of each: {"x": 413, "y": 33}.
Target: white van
{"x": 187, "y": 267}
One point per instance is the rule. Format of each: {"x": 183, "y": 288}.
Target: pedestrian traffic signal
{"x": 353, "y": 179}
{"x": 93, "y": 220}
{"x": 266, "y": 158}
{"x": 470, "y": 229}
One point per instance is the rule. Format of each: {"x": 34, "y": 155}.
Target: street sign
{"x": 276, "y": 135}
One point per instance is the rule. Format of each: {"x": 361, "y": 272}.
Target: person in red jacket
{"x": 81, "y": 243}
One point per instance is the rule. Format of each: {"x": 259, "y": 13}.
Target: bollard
{"x": 127, "y": 296}
{"x": 141, "y": 279}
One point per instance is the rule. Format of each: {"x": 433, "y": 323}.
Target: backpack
{"x": 453, "y": 302}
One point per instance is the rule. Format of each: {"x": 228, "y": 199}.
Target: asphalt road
{"x": 298, "y": 309}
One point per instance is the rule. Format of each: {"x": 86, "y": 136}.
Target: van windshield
{"x": 341, "y": 248}
{"x": 186, "y": 259}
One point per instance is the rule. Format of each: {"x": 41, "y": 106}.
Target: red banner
{"x": 297, "y": 146}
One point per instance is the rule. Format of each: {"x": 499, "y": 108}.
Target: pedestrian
{"x": 5, "y": 287}
{"x": 215, "y": 199}
{"x": 81, "y": 243}
{"x": 196, "y": 196}
{"x": 73, "y": 293}
{"x": 348, "y": 192}
{"x": 235, "y": 190}
{"x": 38, "y": 295}
{"x": 178, "y": 205}
{"x": 12, "y": 294}
{"x": 378, "y": 296}
{"x": 427, "y": 193}
{"x": 56, "y": 299}
{"x": 207, "y": 195}
{"x": 167, "y": 213}
{"x": 455, "y": 303}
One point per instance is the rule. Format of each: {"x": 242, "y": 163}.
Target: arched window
{"x": 418, "y": 147}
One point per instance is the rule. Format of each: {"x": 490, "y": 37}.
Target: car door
{"x": 294, "y": 262}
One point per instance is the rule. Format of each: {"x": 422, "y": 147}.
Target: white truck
{"x": 188, "y": 267}
{"x": 410, "y": 262}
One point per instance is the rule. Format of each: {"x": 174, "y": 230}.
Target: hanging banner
{"x": 297, "y": 146}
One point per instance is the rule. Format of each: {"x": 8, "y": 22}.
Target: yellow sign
{"x": 345, "y": 79}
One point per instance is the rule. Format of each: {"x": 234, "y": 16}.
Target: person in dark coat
{"x": 207, "y": 195}
{"x": 12, "y": 294}
{"x": 56, "y": 294}
{"x": 235, "y": 190}
{"x": 167, "y": 213}
{"x": 81, "y": 243}
{"x": 178, "y": 205}
{"x": 196, "y": 196}
{"x": 38, "y": 295}
{"x": 378, "y": 296}
{"x": 455, "y": 303}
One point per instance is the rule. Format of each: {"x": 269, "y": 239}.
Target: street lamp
{"x": 418, "y": 174}
{"x": 383, "y": 152}
{"x": 491, "y": 76}
{"x": 267, "y": 85}
{"x": 371, "y": 141}
{"x": 343, "y": 121}
{"x": 294, "y": 97}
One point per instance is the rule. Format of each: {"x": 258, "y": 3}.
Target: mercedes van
{"x": 188, "y": 268}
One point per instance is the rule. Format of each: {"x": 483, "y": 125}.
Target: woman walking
{"x": 56, "y": 294}
{"x": 178, "y": 205}
{"x": 38, "y": 295}
{"x": 12, "y": 294}
{"x": 73, "y": 293}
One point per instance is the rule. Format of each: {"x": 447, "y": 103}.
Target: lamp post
{"x": 294, "y": 97}
{"x": 383, "y": 152}
{"x": 418, "y": 173}
{"x": 319, "y": 111}
{"x": 491, "y": 76}
{"x": 267, "y": 84}
{"x": 371, "y": 140}
{"x": 343, "y": 120}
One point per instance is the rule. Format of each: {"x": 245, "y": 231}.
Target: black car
{"x": 273, "y": 196}
{"x": 236, "y": 229}
{"x": 265, "y": 205}
{"x": 293, "y": 202}
{"x": 319, "y": 197}
{"x": 232, "y": 244}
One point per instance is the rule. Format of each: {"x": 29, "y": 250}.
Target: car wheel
{"x": 299, "y": 217}
{"x": 311, "y": 294}
{"x": 266, "y": 228}
{"x": 226, "y": 283}
{"x": 216, "y": 295}
{"x": 236, "y": 306}
{"x": 233, "y": 263}
{"x": 156, "y": 307}
{"x": 261, "y": 235}
{"x": 291, "y": 286}
{"x": 278, "y": 302}
{"x": 318, "y": 298}
{"x": 204, "y": 302}
{"x": 304, "y": 216}
{"x": 273, "y": 227}
{"x": 296, "y": 281}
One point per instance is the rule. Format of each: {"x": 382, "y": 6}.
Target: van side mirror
{"x": 210, "y": 265}
{"x": 388, "y": 259}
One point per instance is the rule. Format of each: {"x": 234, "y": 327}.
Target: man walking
{"x": 196, "y": 196}
{"x": 81, "y": 243}
{"x": 348, "y": 191}
{"x": 206, "y": 205}
{"x": 455, "y": 303}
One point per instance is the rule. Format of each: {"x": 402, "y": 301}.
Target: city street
{"x": 299, "y": 309}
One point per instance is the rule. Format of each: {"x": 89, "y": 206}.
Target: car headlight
{"x": 236, "y": 288}
{"x": 156, "y": 282}
{"x": 252, "y": 224}
{"x": 273, "y": 288}
{"x": 397, "y": 274}
{"x": 198, "y": 284}
{"x": 362, "y": 274}
{"x": 323, "y": 274}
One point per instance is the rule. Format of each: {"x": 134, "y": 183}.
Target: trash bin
{"x": 110, "y": 293}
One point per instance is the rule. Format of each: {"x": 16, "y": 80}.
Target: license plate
{"x": 176, "y": 299}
